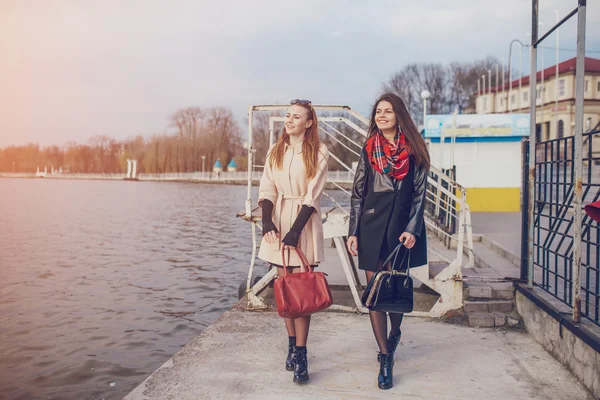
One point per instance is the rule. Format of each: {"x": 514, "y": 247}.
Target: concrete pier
{"x": 242, "y": 355}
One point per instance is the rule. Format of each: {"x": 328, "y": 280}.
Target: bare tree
{"x": 452, "y": 87}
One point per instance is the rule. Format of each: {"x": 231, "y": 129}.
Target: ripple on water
{"x": 102, "y": 282}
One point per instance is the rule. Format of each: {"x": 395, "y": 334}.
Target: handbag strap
{"x": 304, "y": 264}
{"x": 394, "y": 255}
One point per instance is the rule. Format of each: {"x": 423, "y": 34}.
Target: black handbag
{"x": 390, "y": 291}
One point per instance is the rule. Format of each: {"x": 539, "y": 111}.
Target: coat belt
{"x": 298, "y": 202}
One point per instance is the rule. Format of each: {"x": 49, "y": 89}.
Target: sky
{"x": 73, "y": 69}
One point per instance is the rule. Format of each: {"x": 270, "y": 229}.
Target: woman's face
{"x": 296, "y": 120}
{"x": 385, "y": 118}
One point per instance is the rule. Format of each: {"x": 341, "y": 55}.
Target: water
{"x": 101, "y": 282}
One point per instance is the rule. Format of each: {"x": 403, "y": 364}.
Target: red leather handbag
{"x": 301, "y": 294}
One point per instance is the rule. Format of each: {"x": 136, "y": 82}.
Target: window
{"x": 525, "y": 95}
{"x": 513, "y": 99}
{"x": 598, "y": 86}
{"x": 587, "y": 85}
{"x": 561, "y": 129}
{"x": 538, "y": 92}
{"x": 561, "y": 87}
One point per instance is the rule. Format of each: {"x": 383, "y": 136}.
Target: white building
{"x": 486, "y": 150}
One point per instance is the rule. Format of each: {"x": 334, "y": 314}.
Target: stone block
{"x": 483, "y": 292}
{"x": 484, "y": 320}
{"x": 499, "y": 318}
{"x": 500, "y": 306}
{"x": 476, "y": 306}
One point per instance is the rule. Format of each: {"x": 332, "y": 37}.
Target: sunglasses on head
{"x": 301, "y": 102}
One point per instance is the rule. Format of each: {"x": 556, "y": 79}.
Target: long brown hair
{"x": 310, "y": 145}
{"x": 416, "y": 144}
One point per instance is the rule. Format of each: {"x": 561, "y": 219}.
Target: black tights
{"x": 379, "y": 323}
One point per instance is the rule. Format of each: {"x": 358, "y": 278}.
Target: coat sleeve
{"x": 267, "y": 189}
{"x": 317, "y": 183}
{"x": 357, "y": 197}
{"x": 417, "y": 208}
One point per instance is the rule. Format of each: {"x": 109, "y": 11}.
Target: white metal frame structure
{"x": 442, "y": 196}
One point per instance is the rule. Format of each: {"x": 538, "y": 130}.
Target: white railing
{"x": 448, "y": 214}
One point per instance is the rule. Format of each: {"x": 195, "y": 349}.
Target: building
{"x": 555, "y": 117}
{"x": 485, "y": 151}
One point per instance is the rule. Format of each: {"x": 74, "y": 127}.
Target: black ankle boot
{"x": 290, "y": 362}
{"x": 386, "y": 371}
{"x": 393, "y": 342}
{"x": 301, "y": 367}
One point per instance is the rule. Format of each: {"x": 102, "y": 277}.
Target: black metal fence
{"x": 554, "y": 230}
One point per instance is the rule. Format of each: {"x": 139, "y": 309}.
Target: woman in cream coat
{"x": 290, "y": 197}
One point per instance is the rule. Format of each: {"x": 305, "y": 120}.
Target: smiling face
{"x": 297, "y": 120}
{"x": 385, "y": 117}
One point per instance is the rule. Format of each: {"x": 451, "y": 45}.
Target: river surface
{"x": 101, "y": 282}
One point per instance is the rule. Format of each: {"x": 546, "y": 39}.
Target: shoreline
{"x": 346, "y": 185}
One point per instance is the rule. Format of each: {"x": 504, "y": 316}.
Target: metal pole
{"x": 520, "y": 76}
{"x": 271, "y": 132}
{"x": 524, "y": 206}
{"x": 483, "y": 79}
{"x": 478, "y": 88}
{"x": 497, "y": 91}
{"x": 543, "y": 89}
{"x": 503, "y": 83}
{"x": 510, "y": 75}
{"x": 556, "y": 78}
{"x": 250, "y": 163}
{"x": 532, "y": 141}
{"x": 492, "y": 102}
{"x": 424, "y": 112}
{"x": 578, "y": 157}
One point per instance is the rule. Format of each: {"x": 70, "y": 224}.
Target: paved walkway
{"x": 241, "y": 356}
{"x": 501, "y": 227}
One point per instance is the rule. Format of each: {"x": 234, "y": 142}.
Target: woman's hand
{"x": 352, "y": 245}
{"x": 409, "y": 240}
{"x": 272, "y": 236}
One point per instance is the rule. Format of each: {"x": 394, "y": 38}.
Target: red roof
{"x": 591, "y": 65}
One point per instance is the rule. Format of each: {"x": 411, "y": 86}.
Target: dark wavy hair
{"x": 416, "y": 144}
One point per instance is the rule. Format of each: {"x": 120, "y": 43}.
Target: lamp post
{"x": 510, "y": 70}
{"x": 425, "y": 95}
{"x": 203, "y": 159}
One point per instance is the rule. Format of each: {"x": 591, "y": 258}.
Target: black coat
{"x": 382, "y": 208}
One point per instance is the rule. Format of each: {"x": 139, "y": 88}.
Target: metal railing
{"x": 557, "y": 236}
{"x": 576, "y": 165}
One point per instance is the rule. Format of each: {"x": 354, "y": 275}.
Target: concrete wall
{"x": 582, "y": 360}
{"x": 489, "y": 170}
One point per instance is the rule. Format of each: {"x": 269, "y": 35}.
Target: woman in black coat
{"x": 387, "y": 205}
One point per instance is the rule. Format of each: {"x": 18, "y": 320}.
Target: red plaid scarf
{"x": 387, "y": 158}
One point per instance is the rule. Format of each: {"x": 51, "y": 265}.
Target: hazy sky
{"x": 72, "y": 69}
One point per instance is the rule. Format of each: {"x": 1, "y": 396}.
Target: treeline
{"x": 210, "y": 132}
{"x": 213, "y": 133}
